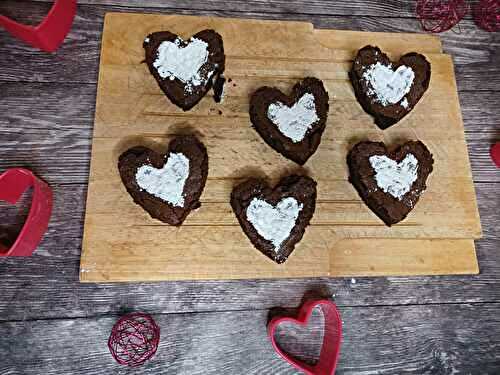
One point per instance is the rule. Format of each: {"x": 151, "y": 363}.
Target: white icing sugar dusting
{"x": 168, "y": 182}
{"x": 386, "y": 85}
{"x": 392, "y": 177}
{"x": 274, "y": 223}
{"x": 294, "y": 121}
{"x": 184, "y": 63}
{"x": 146, "y": 40}
{"x": 404, "y": 103}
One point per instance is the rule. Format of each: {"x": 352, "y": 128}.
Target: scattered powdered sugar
{"x": 274, "y": 223}
{"x": 386, "y": 85}
{"x": 392, "y": 177}
{"x": 404, "y": 103}
{"x": 183, "y": 62}
{"x": 294, "y": 121}
{"x": 146, "y": 40}
{"x": 168, "y": 182}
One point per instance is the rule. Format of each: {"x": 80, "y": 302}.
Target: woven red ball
{"x": 487, "y": 15}
{"x": 134, "y": 339}
{"x": 440, "y": 15}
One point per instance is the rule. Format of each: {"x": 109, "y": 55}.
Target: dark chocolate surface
{"x": 301, "y": 151}
{"x": 302, "y": 188}
{"x": 361, "y": 174}
{"x": 390, "y": 114}
{"x": 136, "y": 157}
{"x": 175, "y": 89}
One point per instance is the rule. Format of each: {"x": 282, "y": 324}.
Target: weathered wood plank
{"x": 53, "y": 274}
{"x": 391, "y": 8}
{"x": 48, "y": 128}
{"x": 479, "y": 145}
{"x": 476, "y": 53}
{"x": 46, "y": 286}
{"x": 69, "y": 209}
{"x": 54, "y": 267}
{"x": 422, "y": 339}
{"x": 47, "y": 108}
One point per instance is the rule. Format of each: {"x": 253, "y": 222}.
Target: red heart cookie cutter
{"x": 332, "y": 337}
{"x": 13, "y": 183}
{"x": 50, "y": 33}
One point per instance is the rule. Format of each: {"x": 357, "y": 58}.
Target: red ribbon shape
{"x": 13, "y": 183}
{"x": 332, "y": 337}
{"x": 50, "y": 33}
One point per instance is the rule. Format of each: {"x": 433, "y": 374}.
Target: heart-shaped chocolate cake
{"x": 167, "y": 186}
{"x": 275, "y": 219}
{"x": 386, "y": 90}
{"x": 185, "y": 70}
{"x": 390, "y": 183}
{"x": 292, "y": 125}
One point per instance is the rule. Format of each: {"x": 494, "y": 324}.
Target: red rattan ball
{"x": 487, "y": 15}
{"x": 440, "y": 15}
{"x": 134, "y": 339}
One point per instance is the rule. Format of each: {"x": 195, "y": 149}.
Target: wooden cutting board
{"x": 122, "y": 243}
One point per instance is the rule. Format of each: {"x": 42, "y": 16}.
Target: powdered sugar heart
{"x": 389, "y": 90}
{"x": 294, "y": 121}
{"x": 181, "y": 61}
{"x": 168, "y": 182}
{"x": 185, "y": 70}
{"x": 274, "y": 223}
{"x": 393, "y": 177}
{"x": 390, "y": 182}
{"x": 386, "y": 85}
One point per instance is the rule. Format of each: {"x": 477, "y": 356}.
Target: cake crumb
{"x": 219, "y": 88}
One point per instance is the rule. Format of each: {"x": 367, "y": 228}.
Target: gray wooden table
{"x": 52, "y": 324}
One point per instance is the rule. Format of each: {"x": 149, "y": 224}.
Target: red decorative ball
{"x": 440, "y": 15}
{"x": 134, "y": 339}
{"x": 487, "y": 15}
{"x": 495, "y": 154}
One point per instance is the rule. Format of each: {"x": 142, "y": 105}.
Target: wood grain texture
{"x": 54, "y": 123}
{"x": 130, "y": 111}
{"x": 384, "y": 340}
{"x": 475, "y": 52}
{"x": 55, "y": 268}
{"x": 47, "y": 287}
{"x": 48, "y": 126}
{"x": 392, "y": 8}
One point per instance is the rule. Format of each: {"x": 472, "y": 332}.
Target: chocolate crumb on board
{"x": 219, "y": 88}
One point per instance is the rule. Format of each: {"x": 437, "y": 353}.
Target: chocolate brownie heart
{"x": 390, "y": 182}
{"x": 386, "y": 90}
{"x": 275, "y": 219}
{"x": 292, "y": 125}
{"x": 167, "y": 186}
{"x": 185, "y": 70}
